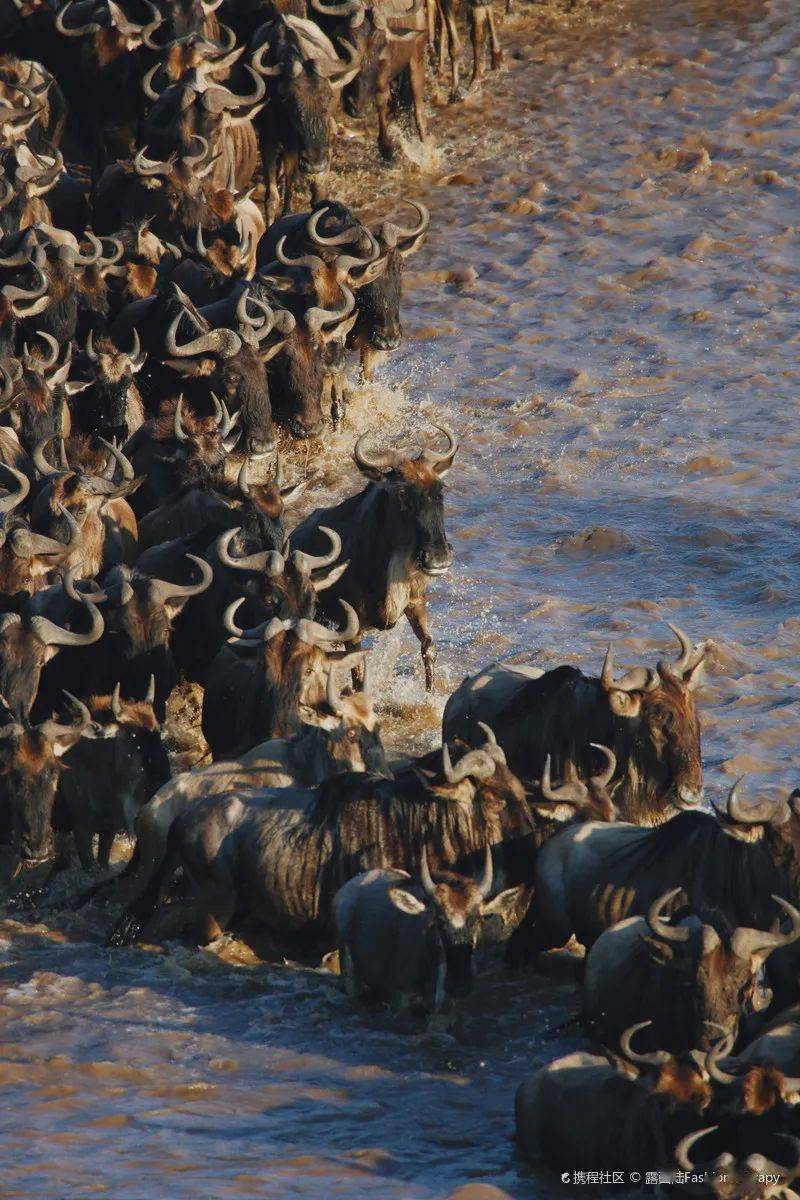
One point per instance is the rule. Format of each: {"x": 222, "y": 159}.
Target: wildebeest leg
{"x": 85, "y": 848}
{"x": 386, "y": 143}
{"x": 497, "y": 50}
{"x": 338, "y": 400}
{"x": 104, "y": 843}
{"x": 477, "y": 26}
{"x": 416, "y": 70}
{"x": 290, "y": 162}
{"x": 347, "y": 973}
{"x": 417, "y": 614}
{"x": 454, "y": 46}
{"x": 358, "y": 673}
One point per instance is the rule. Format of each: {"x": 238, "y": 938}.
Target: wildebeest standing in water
{"x": 405, "y": 941}
{"x": 393, "y": 536}
{"x": 648, "y": 718}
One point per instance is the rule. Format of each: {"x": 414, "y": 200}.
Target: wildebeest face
{"x": 418, "y": 498}
{"x": 29, "y": 773}
{"x": 298, "y": 375}
{"x": 243, "y": 385}
{"x": 378, "y": 303}
{"x": 670, "y": 723}
{"x": 305, "y": 99}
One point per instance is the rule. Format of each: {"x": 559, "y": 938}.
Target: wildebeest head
{"x": 674, "y": 1081}
{"x": 374, "y": 42}
{"x": 194, "y": 447}
{"x": 25, "y": 179}
{"x": 232, "y": 366}
{"x": 658, "y": 714}
{"x": 588, "y": 801}
{"x": 30, "y": 769}
{"x": 195, "y": 107}
{"x": 293, "y": 658}
{"x": 459, "y": 906}
{"x": 37, "y": 393}
{"x": 351, "y": 731}
{"x": 735, "y": 1174}
{"x": 26, "y": 557}
{"x": 104, "y": 409}
{"x": 378, "y": 296}
{"x": 412, "y": 495}
{"x": 712, "y": 977}
{"x": 28, "y": 642}
{"x": 283, "y": 585}
{"x": 301, "y": 88}
{"x": 105, "y": 28}
{"x": 131, "y": 735}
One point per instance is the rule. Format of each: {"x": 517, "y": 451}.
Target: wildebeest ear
{"x": 506, "y": 904}
{"x": 625, "y": 704}
{"x": 406, "y": 902}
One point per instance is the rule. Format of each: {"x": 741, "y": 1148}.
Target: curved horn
{"x": 165, "y": 591}
{"x": 151, "y": 166}
{"x": 658, "y": 926}
{"x": 681, "y": 664}
{"x": 758, "y": 942}
{"x": 721, "y": 1049}
{"x": 491, "y": 746}
{"x": 42, "y": 364}
{"x": 425, "y": 875}
{"x": 422, "y": 226}
{"x": 316, "y": 562}
{"x": 656, "y": 1059}
{"x": 606, "y": 776}
{"x": 39, "y": 460}
{"x": 75, "y": 30}
{"x": 315, "y": 317}
{"x": 312, "y": 261}
{"x": 685, "y": 1145}
{"x": 218, "y": 98}
{"x": 374, "y": 463}
{"x": 54, "y": 635}
{"x": 128, "y": 472}
{"x": 349, "y": 235}
{"x": 319, "y": 635}
{"x": 571, "y": 792}
{"x": 251, "y": 562}
{"x": 474, "y": 763}
{"x": 641, "y": 679}
{"x": 487, "y": 878}
{"x": 753, "y": 814}
{"x": 223, "y": 342}
{"x": 442, "y": 462}
{"x": 14, "y": 499}
{"x": 177, "y": 422}
{"x": 116, "y": 708}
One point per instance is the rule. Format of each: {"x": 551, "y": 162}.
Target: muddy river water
{"x": 607, "y": 312}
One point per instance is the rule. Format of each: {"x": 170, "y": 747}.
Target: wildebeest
{"x": 139, "y": 610}
{"x": 734, "y": 1174}
{"x": 294, "y": 129}
{"x": 681, "y": 974}
{"x": 257, "y": 685}
{"x": 584, "y": 1108}
{"x": 30, "y": 763}
{"x": 27, "y": 557}
{"x": 413, "y": 942}
{"x": 728, "y": 866}
{"x": 345, "y": 736}
{"x": 648, "y": 718}
{"x": 282, "y": 854}
{"x": 28, "y": 641}
{"x": 393, "y": 536}
{"x": 386, "y": 52}
{"x": 112, "y": 770}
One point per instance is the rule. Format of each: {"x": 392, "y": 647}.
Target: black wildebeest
{"x": 728, "y": 866}
{"x": 648, "y": 718}
{"x": 393, "y": 536}
{"x": 622, "y": 1114}
{"x": 30, "y": 765}
{"x": 112, "y": 770}
{"x": 681, "y": 974}
{"x": 282, "y": 854}
{"x": 258, "y": 683}
{"x": 404, "y": 941}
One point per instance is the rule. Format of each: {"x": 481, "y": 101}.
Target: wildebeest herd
{"x": 161, "y": 329}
